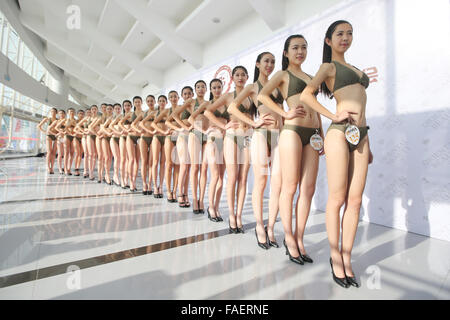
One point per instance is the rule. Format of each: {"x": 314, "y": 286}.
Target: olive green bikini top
{"x": 224, "y": 115}
{"x": 163, "y": 120}
{"x": 296, "y": 85}
{"x": 278, "y": 99}
{"x": 185, "y": 114}
{"x": 242, "y": 108}
{"x": 147, "y": 113}
{"x": 346, "y": 76}
{"x": 197, "y": 105}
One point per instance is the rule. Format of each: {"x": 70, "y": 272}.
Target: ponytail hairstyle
{"x": 211, "y": 96}
{"x": 326, "y": 58}
{"x": 285, "y": 60}
{"x": 258, "y": 59}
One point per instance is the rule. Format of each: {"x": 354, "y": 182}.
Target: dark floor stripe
{"x": 74, "y": 197}
{"x": 52, "y": 271}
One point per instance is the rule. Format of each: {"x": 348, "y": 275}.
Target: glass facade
{"x": 26, "y": 138}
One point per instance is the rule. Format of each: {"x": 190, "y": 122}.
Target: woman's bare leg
{"x": 242, "y": 184}
{"x": 337, "y": 159}
{"x": 275, "y": 190}
{"x": 168, "y": 147}
{"x": 156, "y": 151}
{"x": 260, "y": 162}
{"x": 203, "y": 178}
{"x": 290, "y": 148}
{"x": 308, "y": 177}
{"x": 357, "y": 175}
{"x": 194, "y": 151}
{"x": 116, "y": 154}
{"x": 123, "y": 161}
{"x": 232, "y": 167}
{"x": 144, "y": 163}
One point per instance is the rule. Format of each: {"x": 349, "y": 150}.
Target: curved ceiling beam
{"x": 164, "y": 29}
{"x": 51, "y": 36}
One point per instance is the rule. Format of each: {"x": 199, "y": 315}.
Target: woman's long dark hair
{"x": 285, "y": 60}
{"x": 258, "y": 59}
{"x": 326, "y": 58}
{"x": 211, "y": 96}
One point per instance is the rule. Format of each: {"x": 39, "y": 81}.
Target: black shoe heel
{"x": 340, "y": 281}
{"x": 271, "y": 243}
{"x": 293, "y": 259}
{"x": 262, "y": 245}
{"x": 306, "y": 258}
{"x": 209, "y": 216}
{"x": 232, "y": 230}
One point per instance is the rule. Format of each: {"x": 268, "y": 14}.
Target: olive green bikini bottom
{"x": 304, "y": 133}
{"x": 217, "y": 141}
{"x": 238, "y": 140}
{"x": 134, "y": 138}
{"x": 200, "y": 136}
{"x": 271, "y": 136}
{"x": 148, "y": 140}
{"x": 343, "y": 126}
{"x": 161, "y": 139}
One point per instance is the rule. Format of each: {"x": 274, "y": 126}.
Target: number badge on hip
{"x": 352, "y": 134}
{"x": 316, "y": 142}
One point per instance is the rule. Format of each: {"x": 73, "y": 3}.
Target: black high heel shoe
{"x": 306, "y": 258}
{"x": 200, "y": 210}
{"x": 293, "y": 259}
{"x": 240, "y": 229}
{"x": 271, "y": 243}
{"x": 219, "y": 218}
{"x": 352, "y": 281}
{"x": 181, "y": 204}
{"x": 263, "y": 245}
{"x": 232, "y": 230}
{"x": 340, "y": 281}
{"x": 210, "y": 218}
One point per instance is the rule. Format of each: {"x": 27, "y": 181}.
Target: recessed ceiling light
{"x": 216, "y": 20}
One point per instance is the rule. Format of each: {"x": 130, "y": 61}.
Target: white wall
{"x": 408, "y": 107}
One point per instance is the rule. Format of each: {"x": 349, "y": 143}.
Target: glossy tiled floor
{"x": 131, "y": 246}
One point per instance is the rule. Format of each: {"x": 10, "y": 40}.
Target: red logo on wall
{"x": 372, "y": 73}
{"x": 224, "y": 74}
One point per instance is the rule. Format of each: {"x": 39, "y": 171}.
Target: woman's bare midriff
{"x": 311, "y": 120}
{"x": 352, "y": 99}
